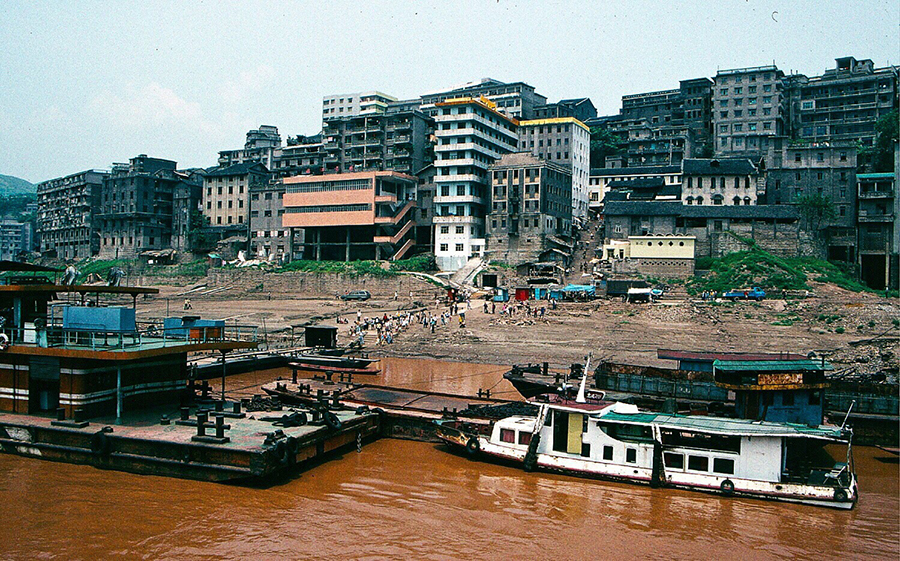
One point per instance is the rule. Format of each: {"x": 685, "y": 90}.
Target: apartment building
{"x": 15, "y": 238}
{"x": 795, "y": 170}
{"x": 338, "y": 106}
{"x": 581, "y": 108}
{"x": 186, "y": 207}
{"x": 879, "y": 229}
{"x": 352, "y": 216}
{"x": 471, "y": 135}
{"x": 565, "y": 141}
{"x": 136, "y": 207}
{"x": 514, "y": 99}
{"x": 302, "y": 155}
{"x": 749, "y": 107}
{"x": 269, "y": 238}
{"x": 259, "y": 147}
{"x": 844, "y": 103}
{"x": 226, "y": 192}
{"x": 65, "y": 218}
{"x": 725, "y": 181}
{"x": 392, "y": 138}
{"x": 530, "y": 209}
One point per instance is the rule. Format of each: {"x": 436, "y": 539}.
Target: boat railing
{"x": 148, "y": 337}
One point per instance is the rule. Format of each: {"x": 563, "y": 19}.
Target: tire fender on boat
{"x": 727, "y": 487}
{"x": 473, "y": 446}
{"x": 332, "y": 420}
{"x": 840, "y": 495}
{"x": 100, "y": 444}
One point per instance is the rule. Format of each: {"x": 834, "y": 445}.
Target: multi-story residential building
{"x": 186, "y": 207}
{"x": 66, "y": 207}
{"x": 513, "y": 99}
{"x": 879, "y": 229}
{"x": 845, "y": 102}
{"x": 15, "y": 238}
{"x": 268, "y": 236}
{"x": 471, "y": 135}
{"x": 425, "y": 203}
{"x": 226, "y": 192}
{"x": 530, "y": 207}
{"x": 749, "y": 107}
{"x": 394, "y": 138}
{"x": 352, "y": 216}
{"x": 565, "y": 141}
{"x": 727, "y": 181}
{"x": 601, "y": 178}
{"x": 259, "y": 147}
{"x": 795, "y": 170}
{"x": 338, "y": 106}
{"x": 302, "y": 155}
{"x": 580, "y": 108}
{"x": 687, "y": 106}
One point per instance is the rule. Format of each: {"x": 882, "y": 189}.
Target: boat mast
{"x": 582, "y": 388}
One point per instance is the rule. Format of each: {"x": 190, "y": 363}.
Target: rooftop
{"x": 802, "y": 365}
{"x": 703, "y": 356}
{"x": 720, "y": 166}
{"x": 637, "y": 170}
{"x": 725, "y": 426}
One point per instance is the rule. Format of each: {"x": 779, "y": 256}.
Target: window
{"x": 631, "y": 455}
{"x": 723, "y": 465}
{"x": 767, "y": 99}
{"x": 752, "y": 126}
{"x": 674, "y": 460}
{"x": 738, "y": 90}
{"x": 608, "y": 453}
{"x": 443, "y": 247}
{"x": 460, "y": 229}
{"x": 767, "y": 111}
{"x": 445, "y": 229}
{"x": 698, "y": 463}
{"x": 459, "y": 247}
{"x": 767, "y": 88}
{"x": 738, "y": 114}
{"x": 843, "y": 211}
{"x": 524, "y": 437}
{"x": 507, "y": 435}
{"x": 767, "y": 126}
{"x": 723, "y": 114}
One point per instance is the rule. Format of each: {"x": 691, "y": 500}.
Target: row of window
{"x": 739, "y": 113}
{"x": 739, "y": 127}
{"x": 739, "y": 102}
{"x": 712, "y": 182}
{"x": 459, "y": 248}
{"x": 739, "y": 78}
{"x": 739, "y": 90}
{"x": 329, "y": 208}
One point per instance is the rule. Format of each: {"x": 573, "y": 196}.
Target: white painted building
{"x": 471, "y": 135}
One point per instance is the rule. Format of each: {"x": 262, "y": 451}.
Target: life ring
{"x": 840, "y": 495}
{"x": 100, "y": 444}
{"x": 727, "y": 487}
{"x": 332, "y": 420}
{"x": 473, "y": 446}
{"x": 4, "y": 341}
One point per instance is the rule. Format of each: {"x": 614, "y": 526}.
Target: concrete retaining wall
{"x": 298, "y": 284}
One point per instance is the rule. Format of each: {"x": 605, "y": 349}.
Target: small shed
{"x": 324, "y": 336}
{"x": 523, "y": 293}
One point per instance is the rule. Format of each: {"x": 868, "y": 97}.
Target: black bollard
{"x": 185, "y": 413}
{"x": 60, "y": 414}
{"x": 220, "y": 405}
{"x": 236, "y": 407}
{"x": 202, "y": 418}
{"x": 294, "y": 376}
{"x": 79, "y": 415}
{"x": 220, "y": 426}
{"x": 164, "y": 420}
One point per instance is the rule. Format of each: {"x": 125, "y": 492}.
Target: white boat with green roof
{"x": 614, "y": 440}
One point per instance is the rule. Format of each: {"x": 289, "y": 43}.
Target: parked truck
{"x": 736, "y": 294}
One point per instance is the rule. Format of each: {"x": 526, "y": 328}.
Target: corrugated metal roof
{"x": 705, "y": 356}
{"x": 771, "y": 365}
{"x": 717, "y": 425}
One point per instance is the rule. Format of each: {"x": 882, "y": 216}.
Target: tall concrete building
{"x": 581, "y": 108}
{"x": 186, "y": 207}
{"x": 845, "y": 102}
{"x": 602, "y": 180}
{"x": 338, "y": 106}
{"x": 226, "y": 192}
{"x": 718, "y": 182}
{"x": 796, "y": 169}
{"x": 259, "y": 147}
{"x": 15, "y": 238}
{"x": 879, "y": 229}
{"x": 750, "y": 107}
{"x": 471, "y": 135}
{"x": 565, "y": 141}
{"x": 513, "y": 99}
{"x": 352, "y": 216}
{"x": 302, "y": 155}
{"x": 391, "y": 138}
{"x": 530, "y": 209}
{"x": 66, "y": 207}
{"x": 137, "y": 207}
{"x": 268, "y": 235}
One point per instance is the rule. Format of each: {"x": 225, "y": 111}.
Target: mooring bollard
{"x": 202, "y": 418}
{"x": 79, "y": 415}
{"x": 164, "y": 420}
{"x": 220, "y": 426}
{"x": 220, "y": 405}
{"x": 236, "y": 407}
{"x": 60, "y": 414}
{"x": 335, "y": 400}
{"x": 294, "y": 377}
{"x": 185, "y": 413}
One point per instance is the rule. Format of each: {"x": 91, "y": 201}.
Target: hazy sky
{"x": 84, "y": 84}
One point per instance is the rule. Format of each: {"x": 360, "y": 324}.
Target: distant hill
{"x": 10, "y": 185}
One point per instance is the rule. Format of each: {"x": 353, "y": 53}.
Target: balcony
{"x": 401, "y": 139}
{"x": 868, "y": 216}
{"x": 437, "y": 219}
{"x": 457, "y": 199}
{"x": 876, "y": 194}
{"x": 399, "y": 125}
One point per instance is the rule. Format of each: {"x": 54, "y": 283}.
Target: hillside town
{"x": 494, "y": 172}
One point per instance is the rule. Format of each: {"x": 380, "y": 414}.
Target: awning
{"x": 18, "y": 267}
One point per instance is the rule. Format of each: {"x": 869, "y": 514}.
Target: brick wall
{"x": 784, "y": 240}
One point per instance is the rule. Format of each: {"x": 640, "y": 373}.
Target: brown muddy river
{"x": 411, "y": 500}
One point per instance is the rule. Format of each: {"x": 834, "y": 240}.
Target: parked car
{"x": 356, "y": 295}
{"x": 754, "y": 293}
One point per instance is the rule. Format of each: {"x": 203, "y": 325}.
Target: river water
{"x": 412, "y": 500}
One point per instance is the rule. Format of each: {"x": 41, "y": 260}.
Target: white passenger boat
{"x": 613, "y": 440}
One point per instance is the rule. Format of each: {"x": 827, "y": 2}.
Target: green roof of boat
{"x": 771, "y": 365}
{"x": 720, "y": 425}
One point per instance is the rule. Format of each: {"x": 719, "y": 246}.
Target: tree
{"x": 816, "y": 211}
{"x": 604, "y": 143}
{"x": 886, "y": 134}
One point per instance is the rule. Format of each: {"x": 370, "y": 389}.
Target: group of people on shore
{"x": 388, "y": 326}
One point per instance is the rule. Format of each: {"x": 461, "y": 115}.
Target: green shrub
{"x": 839, "y": 330}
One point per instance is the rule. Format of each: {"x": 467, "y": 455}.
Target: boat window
{"x": 627, "y": 433}
{"x": 585, "y": 449}
{"x": 524, "y": 437}
{"x": 631, "y": 455}
{"x": 675, "y": 461}
{"x": 548, "y": 422}
{"x": 608, "y": 453}
{"x": 507, "y": 435}
{"x": 698, "y": 463}
{"x": 687, "y": 439}
{"x": 723, "y": 465}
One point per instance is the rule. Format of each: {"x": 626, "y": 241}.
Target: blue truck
{"x": 754, "y": 293}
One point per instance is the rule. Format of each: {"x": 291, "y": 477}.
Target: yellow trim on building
{"x": 481, "y": 100}
{"x": 554, "y": 121}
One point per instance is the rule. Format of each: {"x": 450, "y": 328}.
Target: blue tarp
{"x": 586, "y": 288}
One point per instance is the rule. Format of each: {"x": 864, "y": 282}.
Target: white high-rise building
{"x": 471, "y": 135}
